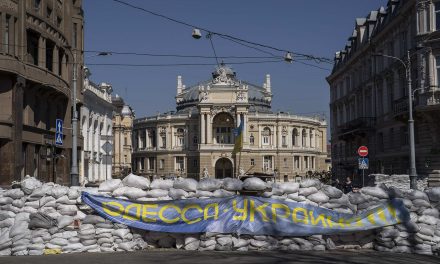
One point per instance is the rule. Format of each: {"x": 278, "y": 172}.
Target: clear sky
{"x": 317, "y": 27}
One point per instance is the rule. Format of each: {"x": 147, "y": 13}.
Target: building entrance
{"x": 223, "y": 168}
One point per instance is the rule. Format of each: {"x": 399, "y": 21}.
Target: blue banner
{"x": 242, "y": 215}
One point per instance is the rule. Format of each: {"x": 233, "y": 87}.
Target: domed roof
{"x": 224, "y": 77}
{"x": 126, "y": 111}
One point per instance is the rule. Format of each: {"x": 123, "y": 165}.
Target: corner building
{"x": 38, "y": 42}
{"x": 369, "y": 92}
{"x": 198, "y": 137}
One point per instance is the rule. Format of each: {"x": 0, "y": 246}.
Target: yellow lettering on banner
{"x": 304, "y": 219}
{"x": 260, "y": 209}
{"x": 284, "y": 207}
{"x": 358, "y": 221}
{"x": 145, "y": 212}
{"x": 329, "y": 221}
{"x": 314, "y": 221}
{"x": 166, "y": 220}
{"x": 371, "y": 219}
{"x": 137, "y": 215}
{"x": 382, "y": 216}
{"x": 110, "y": 208}
{"x": 242, "y": 211}
{"x": 340, "y": 222}
{"x": 206, "y": 215}
{"x": 186, "y": 208}
{"x": 393, "y": 212}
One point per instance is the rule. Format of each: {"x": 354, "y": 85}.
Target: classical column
{"x": 186, "y": 142}
{"x": 170, "y": 143}
{"x": 158, "y": 143}
{"x": 202, "y": 128}
{"x": 245, "y": 135}
{"x": 209, "y": 128}
{"x": 55, "y": 60}
{"x": 278, "y": 143}
{"x": 260, "y": 138}
{"x": 42, "y": 52}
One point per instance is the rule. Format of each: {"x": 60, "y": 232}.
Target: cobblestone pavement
{"x": 213, "y": 257}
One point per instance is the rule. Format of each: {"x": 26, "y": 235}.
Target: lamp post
{"x": 412, "y": 168}
{"x": 74, "y": 175}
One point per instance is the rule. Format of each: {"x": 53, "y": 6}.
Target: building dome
{"x": 225, "y": 78}
{"x": 126, "y": 111}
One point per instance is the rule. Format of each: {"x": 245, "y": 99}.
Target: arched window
{"x": 295, "y": 137}
{"x": 251, "y": 139}
{"x": 266, "y": 136}
{"x": 304, "y": 138}
{"x": 223, "y": 124}
{"x": 180, "y": 137}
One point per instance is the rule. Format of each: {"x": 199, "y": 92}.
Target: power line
{"x": 178, "y": 64}
{"x": 321, "y": 59}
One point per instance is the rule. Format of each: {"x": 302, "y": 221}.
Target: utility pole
{"x": 412, "y": 169}
{"x": 74, "y": 177}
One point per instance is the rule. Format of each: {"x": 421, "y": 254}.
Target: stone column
{"x": 209, "y": 128}
{"x": 245, "y": 135}
{"x": 170, "y": 133}
{"x": 158, "y": 142}
{"x": 17, "y": 131}
{"x": 260, "y": 138}
{"x": 42, "y": 52}
{"x": 202, "y": 128}
{"x": 279, "y": 143}
{"x": 186, "y": 141}
{"x": 55, "y": 60}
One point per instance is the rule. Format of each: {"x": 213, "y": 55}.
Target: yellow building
{"x": 122, "y": 145}
{"x": 197, "y": 140}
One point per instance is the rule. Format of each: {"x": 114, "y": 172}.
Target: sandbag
{"x": 232, "y": 184}
{"x": 40, "y": 220}
{"x": 29, "y": 184}
{"x": 208, "y": 184}
{"x": 318, "y": 197}
{"x": 136, "y": 181}
{"x": 254, "y": 184}
{"x": 176, "y": 194}
{"x": 162, "y": 184}
{"x": 110, "y": 185}
{"x": 156, "y": 193}
{"x": 222, "y": 193}
{"x": 290, "y": 187}
{"x": 134, "y": 193}
{"x": 187, "y": 184}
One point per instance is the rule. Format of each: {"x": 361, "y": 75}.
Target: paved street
{"x": 176, "y": 257}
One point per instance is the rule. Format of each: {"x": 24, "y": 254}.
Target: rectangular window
{"x": 391, "y": 138}
{"x": 6, "y": 34}
{"x": 180, "y": 164}
{"x": 37, "y": 4}
{"x": 252, "y": 162}
{"x": 142, "y": 164}
{"x": 75, "y": 35}
{"x": 267, "y": 162}
{"x": 437, "y": 15}
{"x": 164, "y": 141}
{"x": 49, "y": 54}
{"x": 48, "y": 12}
{"x": 151, "y": 161}
{"x": 195, "y": 163}
{"x": 296, "y": 162}
{"x": 161, "y": 164}
{"x": 195, "y": 140}
{"x": 313, "y": 162}
{"x": 437, "y": 67}
{"x": 306, "y": 162}
{"x": 125, "y": 141}
{"x": 404, "y": 135}
{"x": 252, "y": 140}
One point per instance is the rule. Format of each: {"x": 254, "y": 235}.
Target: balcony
{"x": 429, "y": 100}
{"x": 400, "y": 107}
{"x": 357, "y": 127}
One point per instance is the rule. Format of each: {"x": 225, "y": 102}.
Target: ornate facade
{"x": 38, "y": 43}
{"x": 96, "y": 128}
{"x": 122, "y": 137}
{"x": 369, "y": 92}
{"x": 197, "y": 140}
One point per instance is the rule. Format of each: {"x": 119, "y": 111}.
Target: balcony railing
{"x": 400, "y": 106}
{"x": 358, "y": 125}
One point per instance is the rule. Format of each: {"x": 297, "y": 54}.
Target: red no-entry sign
{"x": 363, "y": 151}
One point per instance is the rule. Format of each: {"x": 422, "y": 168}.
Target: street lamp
{"x": 74, "y": 175}
{"x": 412, "y": 168}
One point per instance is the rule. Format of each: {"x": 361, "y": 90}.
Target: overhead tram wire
{"x": 229, "y": 37}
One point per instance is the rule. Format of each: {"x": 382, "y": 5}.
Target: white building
{"x": 96, "y": 130}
